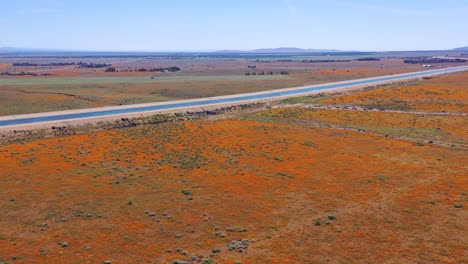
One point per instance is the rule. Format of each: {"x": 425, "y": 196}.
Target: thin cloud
{"x": 292, "y": 10}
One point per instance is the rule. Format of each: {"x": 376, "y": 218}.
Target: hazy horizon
{"x": 204, "y": 26}
{"x": 307, "y": 50}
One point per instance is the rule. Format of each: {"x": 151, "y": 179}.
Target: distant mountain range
{"x": 8, "y": 49}
{"x": 462, "y": 49}
{"x": 272, "y": 50}
{"x": 256, "y": 51}
{"x": 25, "y": 50}
{"x": 280, "y": 50}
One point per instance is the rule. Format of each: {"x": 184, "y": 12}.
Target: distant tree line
{"x": 368, "y": 59}
{"x": 318, "y": 61}
{"x": 168, "y": 69}
{"x": 266, "y": 73}
{"x": 25, "y": 73}
{"x": 92, "y": 65}
{"x": 43, "y": 64}
{"x": 79, "y": 64}
{"x": 111, "y": 69}
{"x": 432, "y": 60}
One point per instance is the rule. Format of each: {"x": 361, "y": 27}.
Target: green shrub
{"x": 186, "y": 192}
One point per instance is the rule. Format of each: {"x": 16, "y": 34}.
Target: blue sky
{"x": 174, "y": 25}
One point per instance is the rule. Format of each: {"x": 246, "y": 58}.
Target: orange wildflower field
{"x": 445, "y": 93}
{"x": 288, "y": 185}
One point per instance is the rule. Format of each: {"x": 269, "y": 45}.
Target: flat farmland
{"x": 76, "y": 88}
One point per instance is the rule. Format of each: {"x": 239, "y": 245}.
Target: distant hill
{"x": 279, "y": 50}
{"x": 263, "y": 51}
{"x": 24, "y": 50}
{"x": 272, "y": 50}
{"x": 8, "y": 49}
{"x": 462, "y": 49}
